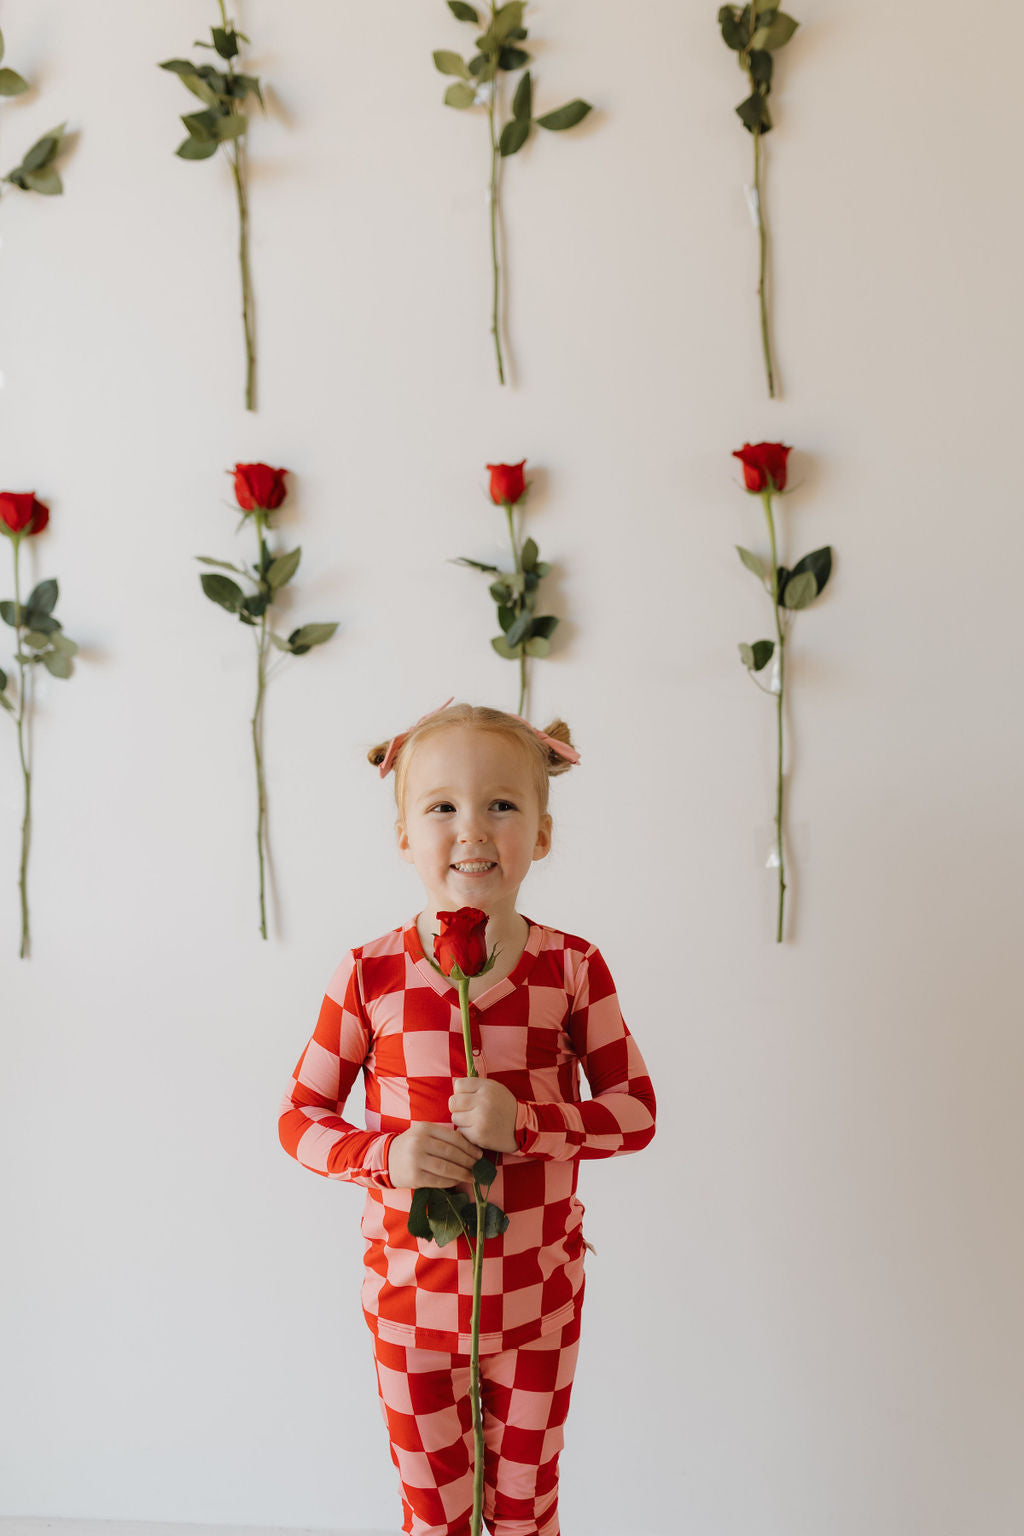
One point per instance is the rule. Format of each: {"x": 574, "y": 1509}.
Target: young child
{"x": 471, "y": 786}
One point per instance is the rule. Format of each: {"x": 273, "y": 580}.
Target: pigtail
{"x": 555, "y": 762}
{"x": 377, "y": 754}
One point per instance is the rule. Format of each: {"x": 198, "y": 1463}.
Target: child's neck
{"x": 509, "y": 931}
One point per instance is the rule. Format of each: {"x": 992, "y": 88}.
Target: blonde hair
{"x": 543, "y": 761}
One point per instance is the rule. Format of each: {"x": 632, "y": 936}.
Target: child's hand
{"x": 435, "y": 1156}
{"x": 486, "y": 1112}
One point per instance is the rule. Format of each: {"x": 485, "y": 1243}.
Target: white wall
{"x": 805, "y": 1312}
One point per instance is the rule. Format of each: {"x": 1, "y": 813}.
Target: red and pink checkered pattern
{"x": 390, "y": 1015}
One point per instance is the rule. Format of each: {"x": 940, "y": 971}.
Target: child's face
{"x": 470, "y": 798}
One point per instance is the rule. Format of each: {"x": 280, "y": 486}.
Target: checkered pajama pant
{"x": 424, "y": 1395}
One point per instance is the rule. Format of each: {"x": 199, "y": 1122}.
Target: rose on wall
{"x": 478, "y": 84}
{"x": 259, "y": 492}
{"x": 524, "y": 633}
{"x": 222, "y": 124}
{"x": 764, "y": 475}
{"x": 39, "y": 641}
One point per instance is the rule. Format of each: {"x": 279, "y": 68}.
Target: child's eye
{"x": 443, "y": 805}
{"x": 505, "y": 805}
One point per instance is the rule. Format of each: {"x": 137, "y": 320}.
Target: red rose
{"x": 462, "y": 941}
{"x": 257, "y": 485}
{"x": 507, "y": 482}
{"x": 20, "y": 512}
{"x": 763, "y": 463}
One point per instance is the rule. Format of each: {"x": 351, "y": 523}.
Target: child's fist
{"x": 431, "y": 1156}
{"x": 486, "y": 1112}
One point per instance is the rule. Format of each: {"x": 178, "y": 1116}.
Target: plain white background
{"x": 804, "y": 1313}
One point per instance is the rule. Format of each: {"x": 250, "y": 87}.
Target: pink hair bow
{"x": 396, "y": 741}
{"x": 561, "y": 747}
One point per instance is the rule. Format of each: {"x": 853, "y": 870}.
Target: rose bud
{"x": 20, "y": 512}
{"x": 764, "y": 466}
{"x": 462, "y": 941}
{"x": 257, "y": 485}
{"x": 507, "y": 483}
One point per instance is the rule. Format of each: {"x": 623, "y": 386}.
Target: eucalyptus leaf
{"x": 57, "y": 663}
{"x": 565, "y": 117}
{"x": 460, "y": 95}
{"x": 222, "y": 590}
{"x": 522, "y": 101}
{"x": 463, "y": 12}
{"x": 283, "y": 568}
{"x": 501, "y": 645}
{"x": 44, "y": 596}
{"x": 450, "y": 63}
{"x": 800, "y": 590}
{"x": 537, "y": 645}
{"x": 513, "y": 136}
{"x": 753, "y": 563}
{"x": 11, "y": 83}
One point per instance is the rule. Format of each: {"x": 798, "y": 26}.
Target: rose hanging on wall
{"x": 764, "y": 475}
{"x": 222, "y": 125}
{"x": 524, "y": 633}
{"x": 443, "y": 1215}
{"x": 39, "y": 640}
{"x": 754, "y": 32}
{"x": 259, "y": 491}
{"x": 37, "y": 172}
{"x": 477, "y": 85}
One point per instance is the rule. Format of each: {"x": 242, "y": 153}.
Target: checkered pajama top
{"x": 391, "y": 1015}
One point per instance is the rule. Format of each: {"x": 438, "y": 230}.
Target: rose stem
{"x": 257, "y": 725}
{"x": 26, "y": 825}
{"x": 520, "y": 601}
{"x": 766, "y": 497}
{"x": 478, "y": 1256}
{"x": 237, "y": 170}
{"x": 762, "y": 234}
{"x": 495, "y": 327}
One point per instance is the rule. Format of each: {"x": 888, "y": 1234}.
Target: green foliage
{"x": 460, "y": 95}
{"x": 565, "y": 117}
{"x": 223, "y": 93}
{"x": 754, "y": 563}
{"x": 755, "y": 657}
{"x": 513, "y": 136}
{"x": 754, "y": 32}
{"x": 302, "y": 640}
{"x": 440, "y": 1215}
{"x": 11, "y": 83}
{"x": 36, "y": 173}
{"x": 281, "y": 570}
{"x": 523, "y": 631}
{"x": 463, "y": 12}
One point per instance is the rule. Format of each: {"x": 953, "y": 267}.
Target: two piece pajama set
{"x": 389, "y": 1014}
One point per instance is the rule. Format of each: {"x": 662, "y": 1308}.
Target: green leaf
{"x": 501, "y": 594}
{"x": 283, "y": 568}
{"x": 201, "y": 125}
{"x": 44, "y": 596}
{"x": 507, "y": 19}
{"x": 519, "y": 629}
{"x": 43, "y": 623}
{"x": 203, "y": 89}
{"x": 537, "y": 645}
{"x": 463, "y": 12}
{"x": 44, "y": 150}
{"x": 222, "y": 590}
{"x": 180, "y": 67}
{"x": 529, "y": 555}
{"x": 37, "y": 641}
{"x": 758, "y": 655}
{"x": 478, "y": 565}
{"x": 303, "y": 640}
{"x": 753, "y": 113}
{"x": 231, "y": 125}
{"x": 734, "y": 33}
{"x": 197, "y": 149}
{"x": 3, "y": 674}
{"x": 255, "y": 605}
{"x": 241, "y": 86}
{"x": 753, "y": 563}
{"x": 512, "y": 58}
{"x": 800, "y": 590}
{"x": 9, "y": 614}
{"x": 514, "y": 135}
{"x": 1, "y": 44}
{"x": 460, "y": 96}
{"x": 450, "y": 63}
{"x": 760, "y": 64}
{"x": 11, "y": 83}
{"x": 503, "y": 648}
{"x": 482, "y": 68}
{"x": 441, "y": 1214}
{"x": 47, "y": 182}
{"x": 495, "y": 1221}
{"x": 57, "y": 663}
{"x": 777, "y": 34}
{"x": 279, "y": 641}
{"x": 225, "y": 565}
{"x": 819, "y": 563}
{"x": 541, "y": 568}
{"x": 506, "y": 617}
{"x": 61, "y": 642}
{"x": 225, "y": 42}
{"x": 565, "y": 117}
{"x": 522, "y": 101}
{"x": 419, "y": 1226}
{"x": 545, "y": 624}
{"x": 484, "y": 1171}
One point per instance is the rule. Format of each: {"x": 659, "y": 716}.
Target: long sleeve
{"x": 619, "y": 1117}
{"x": 311, "y": 1126}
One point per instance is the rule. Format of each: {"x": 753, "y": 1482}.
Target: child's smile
{"x": 472, "y": 824}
